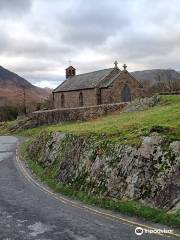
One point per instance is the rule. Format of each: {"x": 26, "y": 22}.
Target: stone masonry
{"x": 74, "y": 114}
{"x": 105, "y": 86}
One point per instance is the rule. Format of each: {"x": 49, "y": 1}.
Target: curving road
{"x": 28, "y": 212}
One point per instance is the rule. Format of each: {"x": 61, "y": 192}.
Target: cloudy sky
{"x": 39, "y": 37}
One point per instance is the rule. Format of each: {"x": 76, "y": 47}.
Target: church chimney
{"x": 70, "y": 72}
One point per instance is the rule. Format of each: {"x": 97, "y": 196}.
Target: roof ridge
{"x": 112, "y": 74}
{"x": 84, "y": 80}
{"x": 92, "y": 72}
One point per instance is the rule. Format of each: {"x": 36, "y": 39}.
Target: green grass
{"x": 126, "y": 126}
{"x": 4, "y": 127}
{"x": 131, "y": 208}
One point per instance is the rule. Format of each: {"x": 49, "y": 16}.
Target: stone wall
{"x": 149, "y": 173}
{"x": 74, "y": 114}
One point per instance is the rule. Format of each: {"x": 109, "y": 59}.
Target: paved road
{"x": 27, "y": 212}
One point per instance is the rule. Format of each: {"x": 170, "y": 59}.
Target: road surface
{"x": 28, "y": 212}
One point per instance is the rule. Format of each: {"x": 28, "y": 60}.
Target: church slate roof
{"x": 87, "y": 80}
{"x": 109, "y": 80}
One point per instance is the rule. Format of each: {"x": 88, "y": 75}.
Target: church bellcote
{"x": 70, "y": 72}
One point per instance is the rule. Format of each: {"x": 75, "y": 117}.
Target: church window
{"x": 98, "y": 93}
{"x": 62, "y": 100}
{"x": 81, "y": 102}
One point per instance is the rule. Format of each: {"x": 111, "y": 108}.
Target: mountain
{"x": 13, "y": 88}
{"x": 153, "y": 77}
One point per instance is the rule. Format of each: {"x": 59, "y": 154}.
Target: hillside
{"x": 12, "y": 88}
{"x": 151, "y": 78}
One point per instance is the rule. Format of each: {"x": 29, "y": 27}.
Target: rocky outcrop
{"x": 142, "y": 104}
{"x": 148, "y": 173}
{"x": 22, "y": 124}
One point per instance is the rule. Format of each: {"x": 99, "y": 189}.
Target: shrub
{"x": 8, "y": 113}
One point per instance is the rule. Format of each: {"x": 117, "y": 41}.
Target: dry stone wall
{"x": 74, "y": 114}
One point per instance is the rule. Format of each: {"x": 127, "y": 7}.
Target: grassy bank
{"x": 4, "y": 127}
{"x": 164, "y": 118}
{"x": 129, "y": 207}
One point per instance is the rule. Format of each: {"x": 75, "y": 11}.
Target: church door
{"x": 126, "y": 94}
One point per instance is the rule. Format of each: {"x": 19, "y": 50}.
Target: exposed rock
{"x": 142, "y": 104}
{"x": 175, "y": 146}
{"x": 149, "y": 173}
{"x": 22, "y": 124}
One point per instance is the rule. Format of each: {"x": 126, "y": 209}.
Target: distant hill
{"x": 13, "y": 87}
{"x": 165, "y": 78}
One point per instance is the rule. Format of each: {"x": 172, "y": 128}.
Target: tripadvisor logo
{"x": 139, "y": 231}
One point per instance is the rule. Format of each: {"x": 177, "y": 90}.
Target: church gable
{"x": 120, "y": 76}
{"x": 123, "y": 87}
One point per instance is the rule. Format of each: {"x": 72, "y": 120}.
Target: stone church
{"x": 99, "y": 87}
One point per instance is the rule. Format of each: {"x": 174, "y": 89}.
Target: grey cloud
{"x": 92, "y": 23}
{"x": 33, "y": 48}
{"x": 33, "y": 66}
{"x": 139, "y": 46}
{"x": 138, "y": 32}
{"x": 43, "y": 76}
{"x": 14, "y": 7}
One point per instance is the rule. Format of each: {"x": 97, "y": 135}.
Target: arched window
{"x": 81, "y": 103}
{"x": 98, "y": 94}
{"x": 62, "y": 100}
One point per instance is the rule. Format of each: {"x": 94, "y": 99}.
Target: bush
{"x": 8, "y": 113}
{"x": 159, "y": 129}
